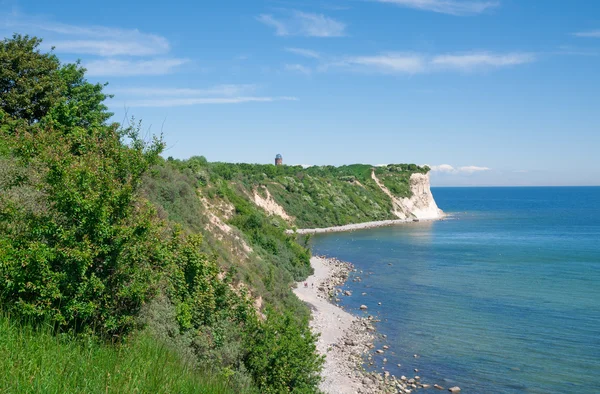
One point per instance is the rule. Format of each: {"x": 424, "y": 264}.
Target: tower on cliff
{"x": 278, "y": 160}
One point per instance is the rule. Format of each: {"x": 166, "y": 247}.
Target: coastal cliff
{"x": 420, "y": 205}
{"x": 328, "y": 196}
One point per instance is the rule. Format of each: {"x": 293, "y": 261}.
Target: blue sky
{"x": 487, "y": 92}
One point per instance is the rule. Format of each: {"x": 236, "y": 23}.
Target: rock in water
{"x": 454, "y": 389}
{"x": 437, "y": 386}
{"x": 363, "y": 307}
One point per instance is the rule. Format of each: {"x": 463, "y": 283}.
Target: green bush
{"x": 277, "y": 355}
{"x": 86, "y": 256}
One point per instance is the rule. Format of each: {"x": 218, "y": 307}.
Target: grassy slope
{"x": 35, "y": 361}
{"x": 276, "y": 260}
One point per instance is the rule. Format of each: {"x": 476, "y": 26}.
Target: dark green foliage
{"x": 34, "y": 86}
{"x": 78, "y": 249}
{"x": 29, "y": 81}
{"x": 276, "y": 355}
{"x": 81, "y": 103}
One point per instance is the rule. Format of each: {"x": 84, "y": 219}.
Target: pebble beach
{"x": 347, "y": 340}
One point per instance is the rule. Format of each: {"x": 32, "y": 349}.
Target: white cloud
{"x": 451, "y": 7}
{"x": 304, "y": 52}
{"x": 475, "y": 60}
{"x": 108, "y": 51}
{"x": 590, "y": 33}
{"x": 386, "y": 63}
{"x": 107, "y": 48}
{"x": 443, "y": 168}
{"x": 219, "y": 90}
{"x": 472, "y": 169}
{"x": 447, "y": 168}
{"x": 180, "y": 102}
{"x": 298, "y": 68}
{"x": 178, "y": 97}
{"x": 304, "y": 24}
{"x": 127, "y": 68}
{"x": 280, "y": 27}
{"x": 411, "y": 63}
{"x": 90, "y": 40}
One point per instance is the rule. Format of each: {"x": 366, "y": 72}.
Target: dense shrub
{"x": 78, "y": 248}
{"x": 276, "y": 355}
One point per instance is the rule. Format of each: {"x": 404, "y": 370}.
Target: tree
{"x": 81, "y": 103}
{"x": 29, "y": 80}
{"x": 35, "y": 87}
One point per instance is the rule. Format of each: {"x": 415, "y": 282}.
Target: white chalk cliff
{"x": 420, "y": 205}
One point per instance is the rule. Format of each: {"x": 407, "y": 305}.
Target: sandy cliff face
{"x": 420, "y": 206}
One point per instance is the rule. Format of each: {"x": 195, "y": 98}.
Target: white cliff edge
{"x": 422, "y": 204}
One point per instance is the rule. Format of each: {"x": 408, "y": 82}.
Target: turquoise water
{"x": 503, "y": 297}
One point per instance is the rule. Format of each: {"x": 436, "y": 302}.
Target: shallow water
{"x": 503, "y": 297}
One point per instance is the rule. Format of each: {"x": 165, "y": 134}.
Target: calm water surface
{"x": 503, "y": 297}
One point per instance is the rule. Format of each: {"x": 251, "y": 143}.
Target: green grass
{"x": 35, "y": 361}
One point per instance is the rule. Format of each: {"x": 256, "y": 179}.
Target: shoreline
{"x": 361, "y": 226}
{"x": 346, "y": 340}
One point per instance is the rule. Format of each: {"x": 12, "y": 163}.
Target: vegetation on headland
{"x": 117, "y": 258}
{"x": 318, "y": 196}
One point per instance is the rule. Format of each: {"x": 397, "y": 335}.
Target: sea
{"x": 503, "y": 296}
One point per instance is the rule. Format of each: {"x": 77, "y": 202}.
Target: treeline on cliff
{"x": 110, "y": 263}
